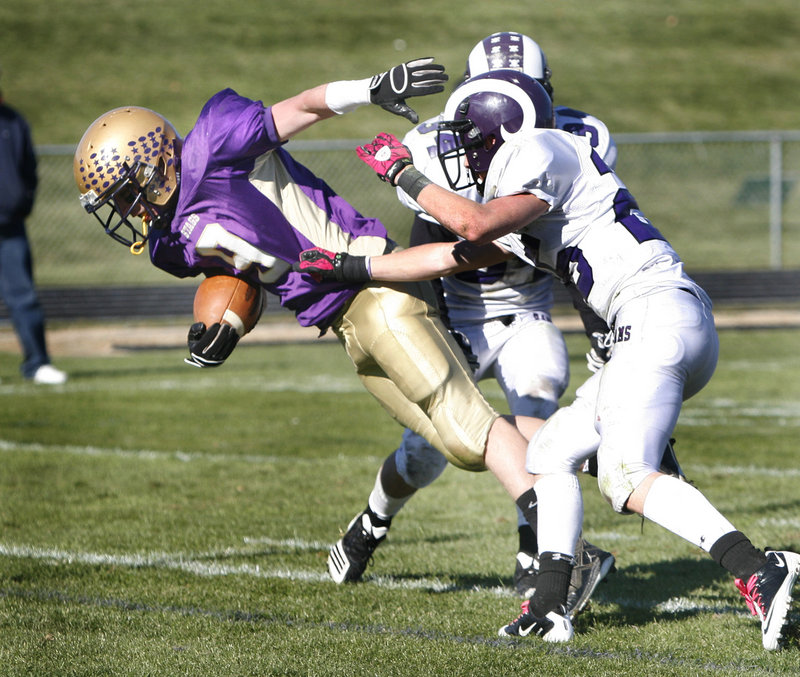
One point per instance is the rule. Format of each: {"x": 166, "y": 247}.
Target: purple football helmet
{"x": 499, "y": 105}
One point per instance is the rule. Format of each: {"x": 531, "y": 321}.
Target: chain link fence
{"x": 726, "y": 201}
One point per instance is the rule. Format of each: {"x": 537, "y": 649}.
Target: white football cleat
{"x": 349, "y": 556}
{"x": 556, "y": 626}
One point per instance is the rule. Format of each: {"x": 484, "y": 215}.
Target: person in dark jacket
{"x": 18, "y": 178}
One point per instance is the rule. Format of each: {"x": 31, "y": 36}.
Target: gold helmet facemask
{"x": 128, "y": 161}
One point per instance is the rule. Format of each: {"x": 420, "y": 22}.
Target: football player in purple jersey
{"x": 229, "y": 198}
{"x": 501, "y": 316}
{"x": 548, "y": 198}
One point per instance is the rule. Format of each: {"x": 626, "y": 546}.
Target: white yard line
{"x": 182, "y": 456}
{"x": 749, "y": 470}
{"x": 254, "y": 383}
{"x": 698, "y": 413}
{"x": 725, "y": 411}
{"x": 198, "y": 565}
{"x": 10, "y": 446}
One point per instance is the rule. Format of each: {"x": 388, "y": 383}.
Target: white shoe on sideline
{"x": 48, "y": 375}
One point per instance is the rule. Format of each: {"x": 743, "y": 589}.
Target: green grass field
{"x": 662, "y": 65}
{"x": 657, "y": 66}
{"x": 162, "y": 520}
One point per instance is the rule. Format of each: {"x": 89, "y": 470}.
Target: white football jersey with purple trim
{"x": 512, "y": 286}
{"x": 593, "y": 234}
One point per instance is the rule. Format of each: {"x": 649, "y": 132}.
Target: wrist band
{"x": 344, "y": 96}
{"x": 412, "y": 181}
{"x": 352, "y": 268}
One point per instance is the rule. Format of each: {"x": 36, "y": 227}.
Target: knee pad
{"x": 539, "y": 400}
{"x": 618, "y": 480}
{"x": 628, "y": 454}
{"x": 417, "y": 461}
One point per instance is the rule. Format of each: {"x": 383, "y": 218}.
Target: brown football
{"x": 229, "y": 300}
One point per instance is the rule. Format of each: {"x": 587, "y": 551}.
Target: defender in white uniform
{"x": 548, "y": 198}
{"x": 499, "y": 314}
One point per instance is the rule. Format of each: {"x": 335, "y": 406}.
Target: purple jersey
{"x": 246, "y": 207}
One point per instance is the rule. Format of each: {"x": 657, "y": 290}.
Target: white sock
{"x": 680, "y": 508}
{"x": 383, "y": 505}
{"x": 560, "y": 512}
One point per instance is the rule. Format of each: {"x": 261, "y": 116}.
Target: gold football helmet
{"x": 128, "y": 160}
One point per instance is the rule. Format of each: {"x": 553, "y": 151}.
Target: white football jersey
{"x": 511, "y": 286}
{"x": 595, "y": 131}
{"x": 593, "y": 233}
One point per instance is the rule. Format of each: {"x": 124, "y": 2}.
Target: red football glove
{"x": 324, "y": 265}
{"x": 386, "y": 155}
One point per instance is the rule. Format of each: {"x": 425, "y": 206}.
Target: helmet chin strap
{"x": 138, "y": 247}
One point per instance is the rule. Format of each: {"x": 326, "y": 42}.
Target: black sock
{"x": 552, "y": 583}
{"x": 527, "y": 504}
{"x": 527, "y": 538}
{"x": 376, "y": 520}
{"x": 736, "y": 553}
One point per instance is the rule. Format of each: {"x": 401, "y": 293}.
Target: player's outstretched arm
{"x": 388, "y": 90}
{"x": 424, "y": 262}
{"x": 434, "y": 260}
{"x": 479, "y": 223}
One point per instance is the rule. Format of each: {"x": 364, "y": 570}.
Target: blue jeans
{"x": 19, "y": 294}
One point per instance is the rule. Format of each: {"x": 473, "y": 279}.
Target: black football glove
{"x": 390, "y": 90}
{"x": 322, "y": 264}
{"x": 600, "y": 351}
{"x": 210, "y": 347}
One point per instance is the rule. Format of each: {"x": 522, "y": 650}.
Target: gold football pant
{"x": 407, "y": 359}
